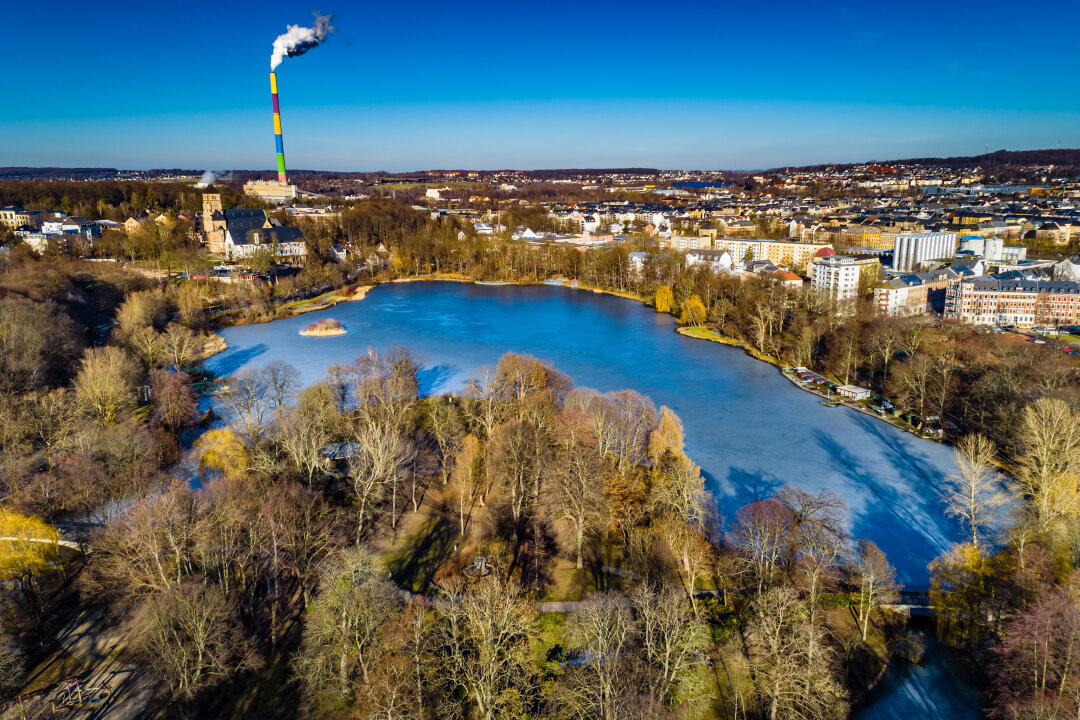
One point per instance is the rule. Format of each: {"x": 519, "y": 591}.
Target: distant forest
{"x": 1064, "y": 157}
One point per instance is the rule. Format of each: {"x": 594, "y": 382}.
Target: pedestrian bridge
{"x": 64, "y": 543}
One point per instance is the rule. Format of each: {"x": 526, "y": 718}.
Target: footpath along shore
{"x": 812, "y": 388}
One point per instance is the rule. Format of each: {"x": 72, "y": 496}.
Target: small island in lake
{"x": 324, "y": 328}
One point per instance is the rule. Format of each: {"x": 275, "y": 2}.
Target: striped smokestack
{"x": 277, "y": 129}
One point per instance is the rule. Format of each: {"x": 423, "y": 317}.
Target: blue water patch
{"x": 748, "y": 427}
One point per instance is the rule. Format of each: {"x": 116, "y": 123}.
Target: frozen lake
{"x": 747, "y": 426}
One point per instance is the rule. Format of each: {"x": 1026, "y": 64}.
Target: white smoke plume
{"x": 206, "y": 180}
{"x": 298, "y": 40}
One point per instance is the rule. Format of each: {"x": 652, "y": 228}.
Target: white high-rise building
{"x": 838, "y": 276}
{"x": 912, "y": 252}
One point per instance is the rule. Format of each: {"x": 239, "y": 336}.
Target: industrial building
{"x": 915, "y": 252}
{"x": 271, "y": 191}
{"x": 280, "y": 191}
{"x": 988, "y": 248}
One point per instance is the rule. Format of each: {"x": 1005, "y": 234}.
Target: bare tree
{"x": 486, "y": 635}
{"x": 875, "y": 582}
{"x": 147, "y": 550}
{"x": 53, "y": 418}
{"x": 306, "y": 429}
{"x": 914, "y": 380}
{"x": 105, "y": 385}
{"x": 678, "y": 497}
{"x": 578, "y": 491}
{"x": 282, "y": 380}
{"x": 379, "y": 458}
{"x": 246, "y": 396}
{"x": 519, "y": 377}
{"x": 181, "y": 346}
{"x": 604, "y": 629}
{"x": 513, "y": 463}
{"x": 624, "y": 421}
{"x": 12, "y": 665}
{"x": 974, "y": 492}
{"x": 444, "y": 419}
{"x": 763, "y": 530}
{"x": 341, "y": 379}
{"x": 148, "y": 345}
{"x": 789, "y": 684}
{"x": 190, "y": 635}
{"x": 885, "y": 341}
{"x": 673, "y": 644}
{"x": 1050, "y": 466}
{"x": 174, "y": 402}
{"x": 387, "y": 388}
{"x": 463, "y": 479}
{"x": 344, "y": 636}
{"x": 485, "y": 402}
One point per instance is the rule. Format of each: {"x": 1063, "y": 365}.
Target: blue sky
{"x": 423, "y": 85}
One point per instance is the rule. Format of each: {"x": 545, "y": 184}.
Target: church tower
{"x": 213, "y": 223}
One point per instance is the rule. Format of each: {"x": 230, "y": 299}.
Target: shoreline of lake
{"x": 359, "y": 292}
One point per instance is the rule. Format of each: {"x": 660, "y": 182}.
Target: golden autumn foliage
{"x": 693, "y": 311}
{"x": 668, "y": 437}
{"x": 222, "y": 451}
{"x": 28, "y": 545}
{"x": 963, "y": 585}
{"x": 664, "y": 299}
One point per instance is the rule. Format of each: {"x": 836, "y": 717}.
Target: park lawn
{"x": 551, "y": 634}
{"x": 426, "y": 543}
{"x": 704, "y": 333}
{"x": 569, "y": 583}
{"x": 870, "y": 659}
{"x": 295, "y": 305}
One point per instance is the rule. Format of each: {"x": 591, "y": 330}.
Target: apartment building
{"x": 901, "y": 297}
{"x": 839, "y": 276}
{"x": 13, "y": 217}
{"x": 872, "y": 237}
{"x": 682, "y": 243}
{"x": 796, "y": 256}
{"x": 1024, "y": 303}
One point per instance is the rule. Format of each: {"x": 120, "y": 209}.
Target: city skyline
{"x": 601, "y": 85}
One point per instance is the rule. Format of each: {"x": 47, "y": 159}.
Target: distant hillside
{"x": 31, "y": 173}
{"x": 559, "y": 174}
{"x": 998, "y": 158}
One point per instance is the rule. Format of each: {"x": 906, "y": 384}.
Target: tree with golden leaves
{"x": 966, "y": 592}
{"x": 664, "y": 299}
{"x": 223, "y": 451}
{"x": 693, "y": 311}
{"x": 29, "y": 547}
{"x": 668, "y": 437}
